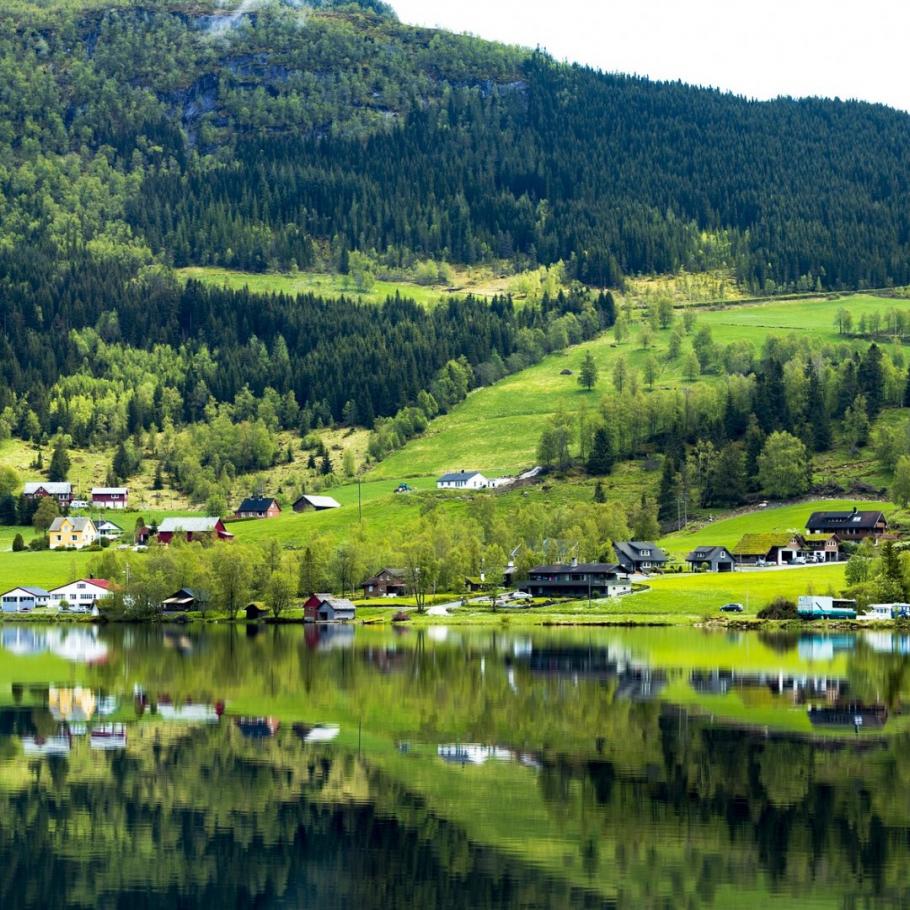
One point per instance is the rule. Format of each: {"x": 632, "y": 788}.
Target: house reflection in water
{"x": 82, "y": 645}
{"x": 257, "y": 727}
{"x": 635, "y": 681}
{"x": 473, "y": 754}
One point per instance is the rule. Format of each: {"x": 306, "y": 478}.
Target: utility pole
{"x": 359, "y": 500}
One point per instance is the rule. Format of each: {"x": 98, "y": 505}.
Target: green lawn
{"x": 704, "y": 594}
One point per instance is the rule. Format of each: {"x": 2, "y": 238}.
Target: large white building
{"x": 81, "y": 593}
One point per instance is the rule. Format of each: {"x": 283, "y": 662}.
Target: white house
{"x": 20, "y": 600}
{"x": 463, "y": 480}
{"x": 80, "y": 594}
{"x": 108, "y": 530}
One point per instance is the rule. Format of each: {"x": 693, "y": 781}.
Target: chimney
{"x": 574, "y": 562}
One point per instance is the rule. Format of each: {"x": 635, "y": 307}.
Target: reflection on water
{"x": 355, "y": 768}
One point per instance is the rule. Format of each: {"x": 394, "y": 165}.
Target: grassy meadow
{"x": 479, "y": 281}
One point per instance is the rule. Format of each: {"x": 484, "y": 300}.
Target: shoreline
{"x": 488, "y": 620}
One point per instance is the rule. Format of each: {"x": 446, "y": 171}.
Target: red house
{"x": 259, "y": 507}
{"x": 109, "y": 497}
{"x": 61, "y": 491}
{"x": 192, "y": 529}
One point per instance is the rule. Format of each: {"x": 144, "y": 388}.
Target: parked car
{"x": 520, "y": 595}
{"x": 799, "y": 560}
{"x": 731, "y": 608}
{"x": 761, "y": 562}
{"x": 79, "y": 504}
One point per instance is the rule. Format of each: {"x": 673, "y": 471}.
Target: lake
{"x": 185, "y": 767}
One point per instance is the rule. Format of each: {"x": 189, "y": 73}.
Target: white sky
{"x": 758, "y": 49}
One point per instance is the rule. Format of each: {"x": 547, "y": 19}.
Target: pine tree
{"x": 818, "y": 413}
{"x": 158, "y": 483}
{"x": 870, "y": 378}
{"x": 602, "y": 456}
{"x": 587, "y": 378}
{"x": 666, "y": 497}
{"x": 599, "y": 495}
{"x": 326, "y": 466}
{"x": 120, "y": 464}
{"x": 60, "y": 463}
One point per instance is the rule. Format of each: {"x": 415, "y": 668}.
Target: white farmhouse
{"x": 80, "y": 594}
{"x": 463, "y": 480}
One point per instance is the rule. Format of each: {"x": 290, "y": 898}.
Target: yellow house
{"x": 72, "y": 533}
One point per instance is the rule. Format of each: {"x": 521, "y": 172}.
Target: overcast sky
{"x": 759, "y": 49}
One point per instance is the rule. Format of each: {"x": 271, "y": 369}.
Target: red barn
{"x": 110, "y": 497}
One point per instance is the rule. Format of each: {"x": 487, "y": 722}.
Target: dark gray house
{"x": 579, "y": 580}
{"x": 851, "y": 525}
{"x": 639, "y": 555}
{"x": 713, "y": 559}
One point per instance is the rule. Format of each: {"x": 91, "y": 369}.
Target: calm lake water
{"x": 334, "y": 768}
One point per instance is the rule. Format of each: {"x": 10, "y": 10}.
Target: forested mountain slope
{"x": 139, "y": 136}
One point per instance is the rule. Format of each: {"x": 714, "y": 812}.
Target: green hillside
{"x": 498, "y": 428}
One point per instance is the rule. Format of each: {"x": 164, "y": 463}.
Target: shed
{"x": 308, "y": 503}
{"x": 258, "y": 507}
{"x": 179, "y": 602}
{"x": 328, "y": 608}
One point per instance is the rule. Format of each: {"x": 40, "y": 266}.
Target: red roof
{"x": 98, "y": 582}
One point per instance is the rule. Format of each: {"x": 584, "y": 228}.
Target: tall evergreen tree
{"x": 602, "y": 456}
{"x": 59, "y": 467}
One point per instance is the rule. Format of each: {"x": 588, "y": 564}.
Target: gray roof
{"x": 632, "y": 550}
{"x": 109, "y": 491}
{"x": 337, "y": 603}
{"x": 320, "y": 502}
{"x": 36, "y": 592}
{"x": 708, "y": 554}
{"x": 586, "y": 568}
{"x": 79, "y": 524}
{"x": 458, "y": 475}
{"x": 61, "y": 488}
{"x": 191, "y": 525}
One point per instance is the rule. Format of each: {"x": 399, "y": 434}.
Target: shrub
{"x": 18, "y": 544}
{"x": 779, "y": 608}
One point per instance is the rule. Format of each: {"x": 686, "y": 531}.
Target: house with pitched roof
{"x": 23, "y": 599}
{"x": 711, "y": 559}
{"x": 310, "y": 503}
{"x": 462, "y": 480}
{"x": 81, "y": 594}
{"x": 61, "y": 491}
{"x": 110, "y": 497}
{"x": 578, "y": 580}
{"x": 774, "y": 548}
{"x": 849, "y": 525}
{"x": 639, "y": 555}
{"x": 67, "y": 533}
{"x": 328, "y": 608}
{"x": 258, "y": 507}
{"x": 193, "y": 529}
